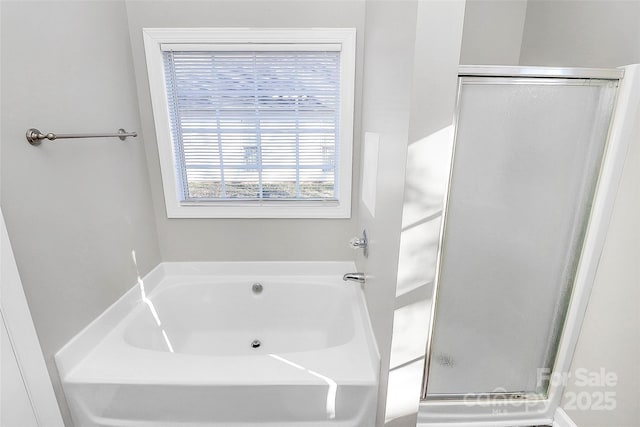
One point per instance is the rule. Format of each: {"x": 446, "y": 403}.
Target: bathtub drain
{"x": 256, "y": 343}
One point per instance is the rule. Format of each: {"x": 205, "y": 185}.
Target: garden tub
{"x": 219, "y": 344}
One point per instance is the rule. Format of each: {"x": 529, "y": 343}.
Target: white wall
{"x": 74, "y": 209}
{"x": 493, "y": 32}
{"x": 439, "y": 36}
{"x": 390, "y": 38}
{"x": 243, "y": 239}
{"x": 594, "y": 33}
{"x": 610, "y": 336}
{"x": 411, "y": 58}
{"x": 601, "y": 34}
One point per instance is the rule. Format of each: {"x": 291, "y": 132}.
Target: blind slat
{"x": 254, "y": 124}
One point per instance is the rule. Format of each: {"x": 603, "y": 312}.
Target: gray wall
{"x": 243, "y": 239}
{"x": 602, "y": 34}
{"x": 74, "y": 209}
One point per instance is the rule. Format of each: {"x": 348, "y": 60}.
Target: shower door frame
{"x": 511, "y": 408}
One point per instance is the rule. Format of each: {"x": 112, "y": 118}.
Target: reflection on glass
{"x": 526, "y": 163}
{"x": 149, "y": 304}
{"x": 331, "y": 392}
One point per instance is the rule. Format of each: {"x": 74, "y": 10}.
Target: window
{"x": 253, "y": 123}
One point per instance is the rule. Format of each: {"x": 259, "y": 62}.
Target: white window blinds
{"x": 254, "y": 125}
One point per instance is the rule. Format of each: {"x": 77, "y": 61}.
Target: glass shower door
{"x": 526, "y": 162}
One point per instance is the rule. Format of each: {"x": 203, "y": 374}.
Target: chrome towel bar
{"x": 35, "y": 137}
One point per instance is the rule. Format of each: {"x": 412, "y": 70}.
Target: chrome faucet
{"x": 356, "y": 277}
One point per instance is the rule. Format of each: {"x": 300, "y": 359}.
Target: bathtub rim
{"x": 80, "y": 346}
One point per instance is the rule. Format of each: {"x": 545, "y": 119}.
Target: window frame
{"x": 154, "y": 38}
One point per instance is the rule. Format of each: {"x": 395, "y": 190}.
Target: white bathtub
{"x": 193, "y": 345}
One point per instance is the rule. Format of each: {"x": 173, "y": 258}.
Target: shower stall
{"x": 537, "y": 157}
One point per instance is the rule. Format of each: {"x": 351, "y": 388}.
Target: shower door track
{"x": 541, "y": 72}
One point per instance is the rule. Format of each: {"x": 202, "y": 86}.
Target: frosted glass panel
{"x": 526, "y": 162}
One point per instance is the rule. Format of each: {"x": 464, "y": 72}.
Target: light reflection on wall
{"x": 149, "y": 303}
{"x": 428, "y": 165}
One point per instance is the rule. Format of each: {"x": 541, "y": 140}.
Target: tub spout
{"x": 356, "y": 277}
